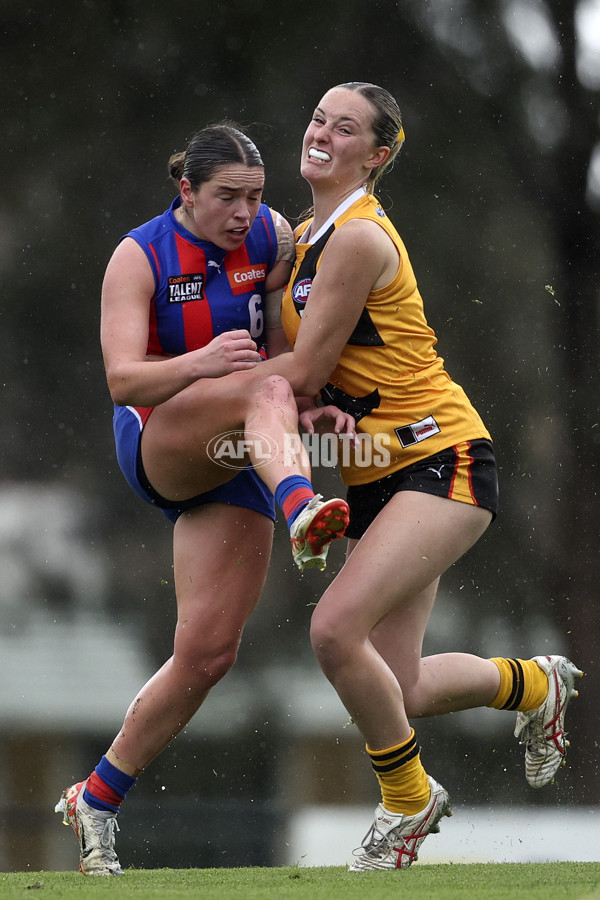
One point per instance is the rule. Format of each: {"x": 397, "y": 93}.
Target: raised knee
{"x": 275, "y": 387}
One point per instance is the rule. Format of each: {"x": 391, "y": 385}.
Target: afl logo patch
{"x": 300, "y": 292}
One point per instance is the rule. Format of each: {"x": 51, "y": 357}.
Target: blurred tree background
{"x": 497, "y": 196}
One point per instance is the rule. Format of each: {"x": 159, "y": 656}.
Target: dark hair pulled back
{"x": 209, "y": 149}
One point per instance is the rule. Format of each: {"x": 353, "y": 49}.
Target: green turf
{"x": 505, "y": 881}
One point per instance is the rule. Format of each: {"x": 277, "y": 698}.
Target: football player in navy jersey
{"x": 189, "y": 301}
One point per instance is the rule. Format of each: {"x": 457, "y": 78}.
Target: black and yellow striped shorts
{"x": 466, "y": 472}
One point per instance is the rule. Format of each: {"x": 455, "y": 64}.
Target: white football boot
{"x": 319, "y": 523}
{"x": 394, "y": 839}
{"x": 542, "y": 730}
{"x": 95, "y": 832}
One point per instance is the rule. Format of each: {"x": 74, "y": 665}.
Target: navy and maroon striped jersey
{"x": 202, "y": 290}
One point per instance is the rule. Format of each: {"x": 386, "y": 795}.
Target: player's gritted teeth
{"x": 313, "y": 153}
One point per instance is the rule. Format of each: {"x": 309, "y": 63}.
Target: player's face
{"x": 223, "y": 209}
{"x": 339, "y": 143}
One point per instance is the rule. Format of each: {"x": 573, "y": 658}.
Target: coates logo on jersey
{"x": 245, "y": 279}
{"x": 300, "y": 292}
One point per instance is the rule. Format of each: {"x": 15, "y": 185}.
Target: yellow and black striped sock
{"x": 523, "y": 684}
{"x": 401, "y": 776}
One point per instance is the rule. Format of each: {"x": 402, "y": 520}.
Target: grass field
{"x": 504, "y": 881}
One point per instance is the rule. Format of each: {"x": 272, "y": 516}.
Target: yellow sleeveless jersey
{"x": 389, "y": 376}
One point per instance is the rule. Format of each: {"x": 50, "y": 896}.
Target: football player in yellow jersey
{"x": 422, "y": 482}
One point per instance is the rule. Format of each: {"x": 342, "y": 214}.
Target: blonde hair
{"x": 386, "y": 124}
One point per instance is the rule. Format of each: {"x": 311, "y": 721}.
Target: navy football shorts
{"x": 245, "y": 489}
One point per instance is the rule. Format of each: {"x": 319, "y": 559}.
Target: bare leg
{"x": 434, "y": 685}
{"x": 176, "y": 458}
{"x": 391, "y": 578}
{"x": 221, "y": 557}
